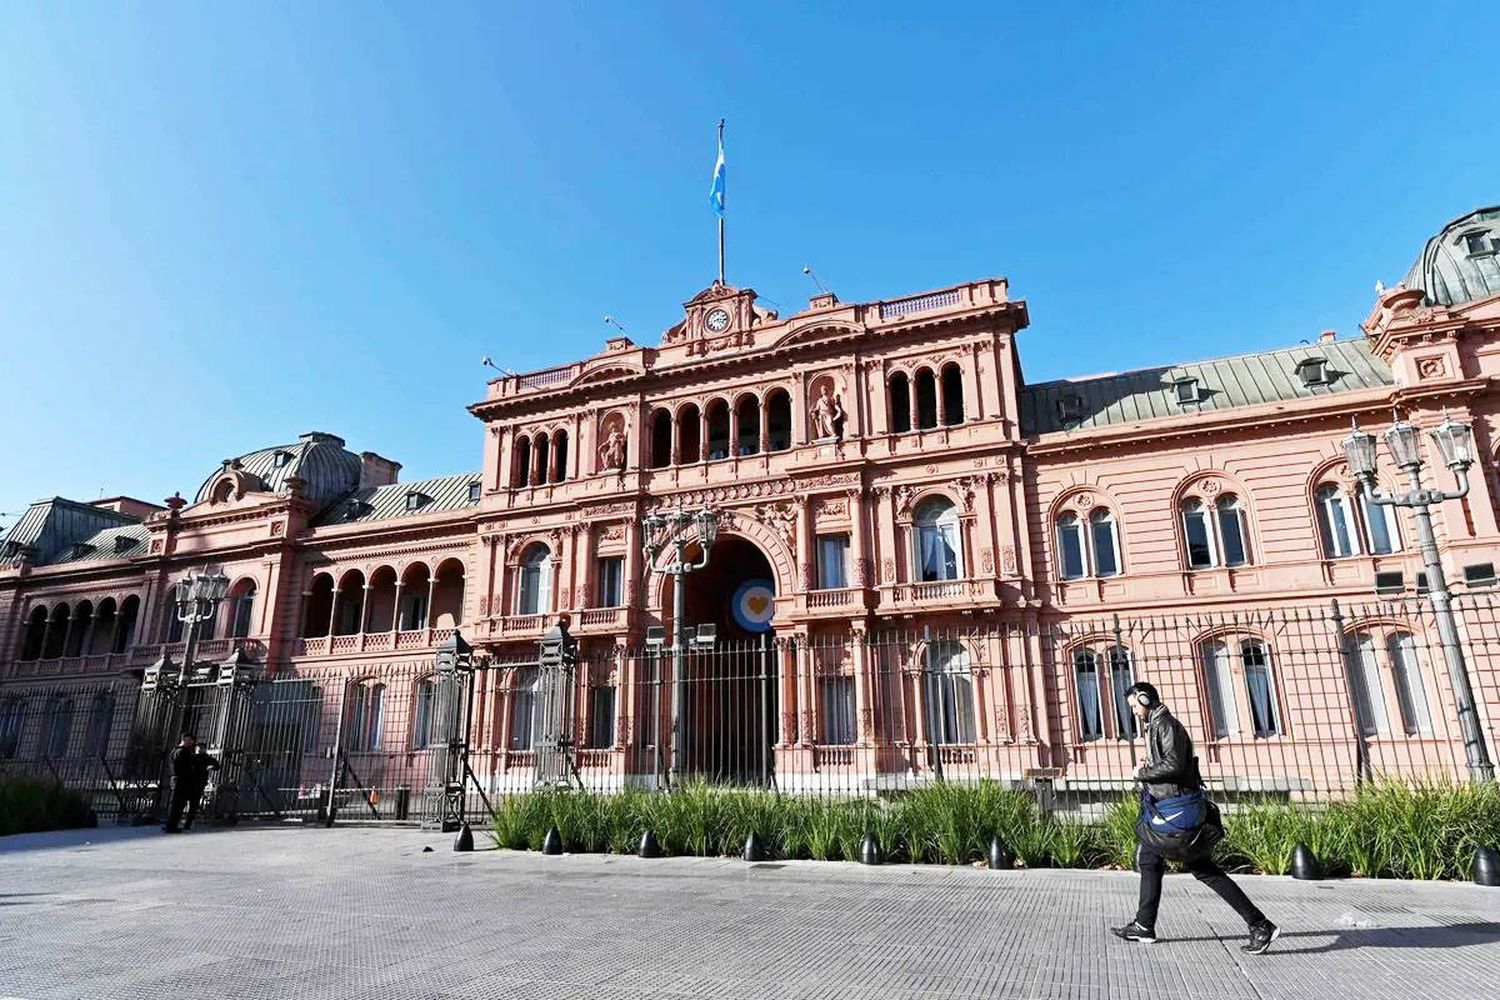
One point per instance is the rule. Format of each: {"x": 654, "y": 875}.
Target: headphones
{"x": 1143, "y": 694}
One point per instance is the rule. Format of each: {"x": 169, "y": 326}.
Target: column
{"x": 633, "y": 567}
{"x": 911, "y": 400}
{"x": 396, "y": 612}
{"x": 804, "y": 690}
{"x": 805, "y": 543}
{"x": 364, "y": 614}
{"x": 734, "y": 431}
{"x": 864, "y": 706}
{"x": 973, "y": 395}
{"x": 431, "y": 591}
{"x": 88, "y": 632}
{"x": 859, "y": 572}
{"x": 799, "y": 410}
{"x": 676, "y": 447}
{"x": 703, "y": 433}
{"x": 333, "y": 613}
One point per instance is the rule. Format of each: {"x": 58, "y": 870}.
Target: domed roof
{"x": 328, "y": 472}
{"x": 1461, "y": 263}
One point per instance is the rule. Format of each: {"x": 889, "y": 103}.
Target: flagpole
{"x": 721, "y": 214}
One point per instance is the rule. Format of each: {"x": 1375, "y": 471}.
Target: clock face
{"x": 717, "y": 321}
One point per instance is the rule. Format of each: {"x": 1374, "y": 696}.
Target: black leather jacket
{"x": 1171, "y": 769}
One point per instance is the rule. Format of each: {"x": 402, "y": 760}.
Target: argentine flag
{"x": 716, "y": 189}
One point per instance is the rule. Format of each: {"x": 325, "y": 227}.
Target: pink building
{"x": 923, "y": 564}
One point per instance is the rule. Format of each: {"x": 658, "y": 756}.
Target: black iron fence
{"x": 1301, "y": 704}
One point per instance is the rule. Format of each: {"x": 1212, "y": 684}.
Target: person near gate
{"x": 1179, "y": 823}
{"x": 202, "y": 764}
{"x": 183, "y": 769}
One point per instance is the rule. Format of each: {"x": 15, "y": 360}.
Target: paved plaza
{"x": 365, "y": 913}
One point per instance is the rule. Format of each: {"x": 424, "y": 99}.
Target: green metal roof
{"x": 51, "y": 527}
{"x": 122, "y": 542}
{"x": 1224, "y": 384}
{"x": 1461, "y": 263}
{"x": 381, "y": 503}
{"x": 328, "y": 471}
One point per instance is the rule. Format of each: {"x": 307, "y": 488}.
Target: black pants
{"x": 181, "y": 796}
{"x": 1152, "y": 867}
{"x": 195, "y": 800}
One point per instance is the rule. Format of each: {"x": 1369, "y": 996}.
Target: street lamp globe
{"x": 1455, "y": 441}
{"x": 708, "y": 527}
{"x": 1405, "y": 442}
{"x": 1359, "y": 453}
{"x": 215, "y": 586}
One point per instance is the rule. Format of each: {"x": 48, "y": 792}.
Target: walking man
{"x": 202, "y": 764}
{"x": 1171, "y": 771}
{"x": 183, "y": 768}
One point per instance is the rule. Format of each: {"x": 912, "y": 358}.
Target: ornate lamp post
{"x": 195, "y": 599}
{"x": 660, "y": 529}
{"x": 1455, "y": 442}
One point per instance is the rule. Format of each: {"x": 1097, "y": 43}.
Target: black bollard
{"x": 649, "y": 847}
{"x": 1304, "y": 862}
{"x": 465, "y": 839}
{"x": 1000, "y": 858}
{"x": 427, "y": 849}
{"x": 552, "y": 842}
{"x": 754, "y": 850}
{"x": 869, "y": 850}
{"x": 1486, "y": 866}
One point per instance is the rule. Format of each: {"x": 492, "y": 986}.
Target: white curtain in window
{"x": 1410, "y": 691}
{"x": 523, "y": 709}
{"x": 376, "y": 717}
{"x": 838, "y": 710}
{"x": 534, "y": 595}
{"x": 1218, "y": 678}
{"x": 421, "y": 732}
{"x": 1261, "y": 688}
{"x": 937, "y": 541}
{"x": 951, "y": 689}
{"x": 1086, "y": 679}
{"x": 1380, "y": 524}
{"x": 1364, "y": 686}
{"x": 1335, "y": 523}
{"x": 1121, "y": 677}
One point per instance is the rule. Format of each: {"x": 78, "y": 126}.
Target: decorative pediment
{"x": 720, "y": 317}
{"x": 823, "y": 328}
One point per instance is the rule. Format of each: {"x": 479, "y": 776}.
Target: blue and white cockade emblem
{"x": 753, "y": 605}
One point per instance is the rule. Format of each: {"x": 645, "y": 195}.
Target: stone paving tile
{"x": 362, "y": 913}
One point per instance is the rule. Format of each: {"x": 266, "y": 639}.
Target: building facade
{"x": 933, "y": 557}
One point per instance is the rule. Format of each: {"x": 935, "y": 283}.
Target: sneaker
{"x": 1134, "y": 932}
{"x": 1261, "y": 936}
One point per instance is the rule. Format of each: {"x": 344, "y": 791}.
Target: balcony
{"x": 368, "y": 642}
{"x": 935, "y": 594}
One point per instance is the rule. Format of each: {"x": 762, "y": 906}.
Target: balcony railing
{"x": 939, "y": 592}
{"x": 918, "y": 304}
{"x": 343, "y": 645}
{"x": 841, "y": 597}
{"x": 601, "y": 618}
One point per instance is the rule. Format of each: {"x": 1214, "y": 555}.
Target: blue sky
{"x": 221, "y": 228}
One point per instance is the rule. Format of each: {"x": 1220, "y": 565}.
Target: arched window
{"x": 950, "y": 694}
{"x": 424, "y": 704}
{"x": 521, "y": 475}
{"x": 242, "y": 610}
{"x": 524, "y": 708}
{"x": 900, "y": 404}
{"x": 130, "y": 610}
{"x": 1229, "y": 704}
{"x": 1382, "y": 531}
{"x": 349, "y": 610}
{"x": 953, "y": 395}
{"x": 57, "y": 632}
{"x": 102, "y": 635}
{"x": 12, "y": 721}
{"x": 101, "y": 716}
{"x": 57, "y": 727}
{"x": 534, "y": 581}
{"x": 1102, "y": 700}
{"x": 1214, "y": 535}
{"x": 661, "y": 439}
{"x": 559, "y": 456}
{"x": 1336, "y": 523}
{"x": 31, "y": 638}
{"x": 78, "y": 627}
{"x": 1094, "y": 552}
{"x": 927, "y": 406}
{"x": 747, "y": 415}
{"x": 689, "y": 434}
{"x": 541, "y": 459}
{"x": 367, "y": 716}
{"x": 411, "y": 607}
{"x": 939, "y": 552}
{"x": 779, "y": 420}
{"x": 1396, "y": 657}
{"x": 718, "y": 429}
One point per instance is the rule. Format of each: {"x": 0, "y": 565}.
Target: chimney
{"x": 376, "y": 471}
{"x": 1328, "y": 336}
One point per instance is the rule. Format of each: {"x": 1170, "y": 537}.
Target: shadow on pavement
{"x": 1344, "y": 939}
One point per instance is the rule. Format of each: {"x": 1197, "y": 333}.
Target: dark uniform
{"x": 202, "y": 763}
{"x": 183, "y": 769}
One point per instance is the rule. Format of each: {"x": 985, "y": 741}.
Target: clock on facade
{"x": 717, "y": 321}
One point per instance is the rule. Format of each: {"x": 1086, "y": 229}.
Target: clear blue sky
{"x": 221, "y": 228}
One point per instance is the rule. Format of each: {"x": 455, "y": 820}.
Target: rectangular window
{"x": 838, "y": 710}
{"x": 243, "y": 607}
{"x": 1380, "y": 519}
{"x": 1086, "y": 679}
{"x": 950, "y": 705}
{"x": 1365, "y": 689}
{"x": 1199, "y": 547}
{"x": 1070, "y": 548}
{"x": 1106, "y": 562}
{"x": 601, "y": 717}
{"x": 421, "y": 727}
{"x": 1410, "y": 690}
{"x": 938, "y": 551}
{"x": 523, "y": 705}
{"x": 1232, "y": 534}
{"x": 1219, "y": 679}
{"x": 1261, "y": 688}
{"x": 612, "y": 582}
{"x": 1121, "y": 677}
{"x": 833, "y": 552}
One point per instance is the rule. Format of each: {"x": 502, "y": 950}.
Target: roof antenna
{"x": 611, "y": 321}
{"x": 807, "y": 270}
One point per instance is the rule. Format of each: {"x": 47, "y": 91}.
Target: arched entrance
{"x": 730, "y": 712}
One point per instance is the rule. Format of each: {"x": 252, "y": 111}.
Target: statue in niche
{"x": 828, "y": 414}
{"x": 612, "y": 450}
